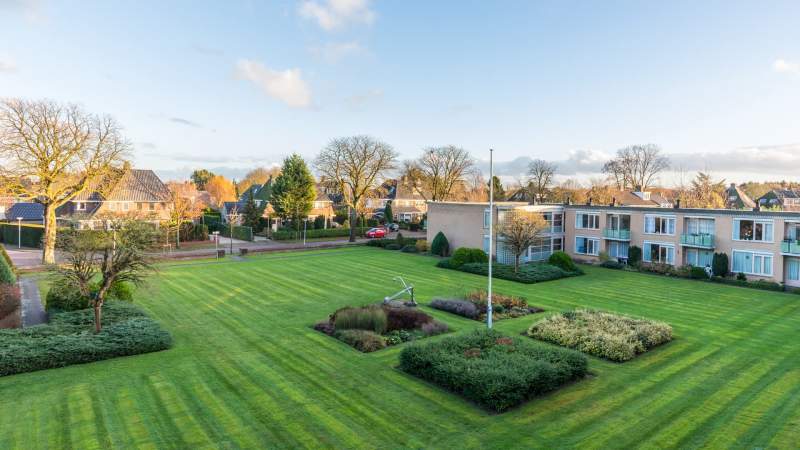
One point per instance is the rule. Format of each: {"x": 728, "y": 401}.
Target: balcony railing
{"x": 790, "y": 247}
{"x": 698, "y": 240}
{"x": 612, "y": 233}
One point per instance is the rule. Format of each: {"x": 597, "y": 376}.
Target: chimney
{"x": 678, "y": 204}
{"x": 613, "y": 201}
{"x": 589, "y": 201}
{"x": 569, "y": 201}
{"x": 757, "y": 208}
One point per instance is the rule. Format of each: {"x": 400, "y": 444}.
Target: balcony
{"x": 620, "y": 235}
{"x": 790, "y": 247}
{"x": 698, "y": 240}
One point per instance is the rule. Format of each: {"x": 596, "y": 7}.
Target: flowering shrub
{"x": 611, "y": 336}
{"x": 474, "y": 306}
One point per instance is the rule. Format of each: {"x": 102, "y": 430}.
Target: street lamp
{"x": 216, "y": 242}
{"x": 19, "y": 232}
{"x": 305, "y": 226}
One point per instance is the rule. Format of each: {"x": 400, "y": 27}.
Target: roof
{"x": 231, "y": 205}
{"x": 783, "y": 193}
{"x": 129, "y": 185}
{"x": 736, "y": 198}
{"x": 407, "y": 209}
{"x": 322, "y": 197}
{"x": 28, "y": 211}
{"x": 398, "y": 189}
{"x": 628, "y": 198}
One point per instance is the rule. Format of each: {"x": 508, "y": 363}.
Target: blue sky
{"x": 233, "y": 85}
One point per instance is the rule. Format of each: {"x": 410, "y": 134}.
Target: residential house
{"x": 5, "y": 203}
{"x": 29, "y": 212}
{"x": 261, "y": 193}
{"x": 134, "y": 193}
{"x": 760, "y": 244}
{"x": 407, "y": 204}
{"x": 736, "y": 198}
{"x": 783, "y": 199}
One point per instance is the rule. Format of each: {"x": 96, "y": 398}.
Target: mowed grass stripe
{"x": 247, "y": 371}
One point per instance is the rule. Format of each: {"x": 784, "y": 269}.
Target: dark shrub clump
{"x": 527, "y": 273}
{"x": 409, "y": 249}
{"x": 439, "y": 245}
{"x": 461, "y": 307}
{"x": 392, "y": 247}
{"x": 493, "y": 370}
{"x": 403, "y": 318}
{"x": 464, "y": 255}
{"x": 362, "y": 340}
{"x": 634, "y": 255}
{"x": 562, "y": 260}
{"x": 719, "y": 264}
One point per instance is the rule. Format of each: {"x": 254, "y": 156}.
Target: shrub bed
{"x": 373, "y": 327}
{"x": 473, "y": 306}
{"x": 32, "y": 234}
{"x": 69, "y": 339}
{"x": 616, "y": 337}
{"x": 282, "y": 235}
{"x": 493, "y": 370}
{"x": 465, "y": 255}
{"x": 527, "y": 273}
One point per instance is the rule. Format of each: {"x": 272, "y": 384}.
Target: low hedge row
{"x": 69, "y": 339}
{"x": 527, "y": 273}
{"x": 493, "y": 370}
{"x": 283, "y": 235}
{"x": 612, "y": 336}
{"x": 32, "y": 234}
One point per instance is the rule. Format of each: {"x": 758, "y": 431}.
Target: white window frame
{"x": 486, "y": 215}
{"x": 579, "y": 224}
{"x": 646, "y": 255}
{"x": 654, "y": 217}
{"x": 755, "y": 254}
{"x": 80, "y": 206}
{"x": 737, "y": 227}
{"x": 588, "y": 238}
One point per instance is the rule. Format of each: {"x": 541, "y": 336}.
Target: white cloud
{"x": 335, "y": 51}
{"x": 33, "y": 10}
{"x": 333, "y": 14}
{"x": 287, "y": 86}
{"x": 783, "y": 66}
{"x": 7, "y": 65}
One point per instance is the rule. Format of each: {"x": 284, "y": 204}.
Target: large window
{"x": 699, "y": 258}
{"x": 658, "y": 253}
{"x": 793, "y": 269}
{"x": 753, "y": 230}
{"x": 618, "y": 249}
{"x": 618, "y": 222}
{"x": 587, "y": 246}
{"x": 558, "y": 244}
{"x": 698, "y": 226}
{"x": 752, "y": 263}
{"x": 540, "y": 250}
{"x": 555, "y": 221}
{"x": 587, "y": 221}
{"x": 659, "y": 224}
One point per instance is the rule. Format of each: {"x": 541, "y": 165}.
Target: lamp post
{"x": 491, "y": 232}
{"x": 216, "y": 243}
{"x": 305, "y": 227}
{"x": 19, "y": 232}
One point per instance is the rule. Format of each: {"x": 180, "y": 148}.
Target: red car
{"x": 376, "y": 233}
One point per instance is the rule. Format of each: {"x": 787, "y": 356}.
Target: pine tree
{"x": 293, "y": 192}
{"x": 387, "y": 212}
{"x": 251, "y": 213}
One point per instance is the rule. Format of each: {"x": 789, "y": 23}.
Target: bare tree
{"x": 438, "y": 171}
{"x": 636, "y": 167}
{"x": 50, "y": 153}
{"x": 540, "y": 177}
{"x": 355, "y": 166}
{"x": 519, "y": 230}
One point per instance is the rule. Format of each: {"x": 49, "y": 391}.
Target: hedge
{"x": 493, "y": 370}
{"x": 465, "y": 255}
{"x": 69, "y": 339}
{"x": 527, "y": 273}
{"x": 32, "y": 235}
{"x": 282, "y": 235}
{"x": 239, "y": 232}
{"x": 7, "y": 275}
{"x": 440, "y": 246}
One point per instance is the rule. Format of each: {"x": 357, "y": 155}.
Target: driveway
{"x": 25, "y": 258}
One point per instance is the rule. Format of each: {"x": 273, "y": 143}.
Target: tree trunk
{"x": 98, "y": 312}
{"x": 50, "y": 227}
{"x": 353, "y": 224}
{"x": 516, "y": 263}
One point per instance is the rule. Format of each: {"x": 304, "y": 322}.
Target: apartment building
{"x": 760, "y": 244}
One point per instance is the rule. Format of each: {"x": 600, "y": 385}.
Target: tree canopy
{"x": 294, "y": 190}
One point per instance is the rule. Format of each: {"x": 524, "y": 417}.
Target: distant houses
{"x": 736, "y": 198}
{"x": 407, "y": 204}
{"x": 783, "y": 199}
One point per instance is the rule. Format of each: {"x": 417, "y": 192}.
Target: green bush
{"x": 4, "y": 255}
{"x": 6, "y": 272}
{"x": 380, "y": 242}
{"x": 741, "y": 277}
{"x": 698, "y": 273}
{"x": 758, "y": 284}
{"x": 64, "y": 295}
{"x": 70, "y": 339}
{"x": 527, "y": 273}
{"x": 372, "y": 318}
{"x": 31, "y": 234}
{"x": 362, "y": 340}
{"x": 9, "y": 300}
{"x": 440, "y": 246}
{"x": 409, "y": 249}
{"x": 493, "y": 370}
{"x": 290, "y": 234}
{"x": 611, "y": 336}
{"x": 464, "y": 255}
{"x": 405, "y": 318}
{"x": 562, "y": 260}
{"x": 392, "y": 247}
{"x": 239, "y": 232}
{"x": 719, "y": 264}
{"x": 422, "y": 245}
{"x": 634, "y": 255}
{"x": 611, "y": 264}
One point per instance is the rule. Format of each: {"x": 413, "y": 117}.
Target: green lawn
{"x": 247, "y": 371}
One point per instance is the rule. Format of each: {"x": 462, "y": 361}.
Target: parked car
{"x": 392, "y": 226}
{"x": 376, "y": 233}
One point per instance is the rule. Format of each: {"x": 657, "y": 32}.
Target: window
{"x": 112, "y": 206}
{"x": 558, "y": 223}
{"x": 589, "y": 221}
{"x": 618, "y": 249}
{"x": 558, "y": 244}
{"x": 752, "y": 230}
{"x": 618, "y": 222}
{"x": 752, "y": 263}
{"x": 699, "y": 226}
{"x": 125, "y": 206}
{"x": 80, "y": 206}
{"x": 793, "y": 269}
{"x": 658, "y": 253}
{"x": 699, "y": 258}
{"x": 659, "y": 225}
{"x": 587, "y": 246}
{"x": 486, "y": 219}
{"x": 540, "y": 250}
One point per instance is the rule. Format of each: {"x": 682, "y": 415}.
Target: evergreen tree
{"x": 387, "y": 212}
{"x": 293, "y": 191}
{"x": 499, "y": 192}
{"x": 251, "y": 213}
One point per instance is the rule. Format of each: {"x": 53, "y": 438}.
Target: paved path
{"x": 33, "y": 312}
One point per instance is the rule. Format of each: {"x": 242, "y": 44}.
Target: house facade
{"x": 761, "y": 244}
{"x": 783, "y": 199}
{"x": 407, "y": 204}
{"x": 131, "y": 193}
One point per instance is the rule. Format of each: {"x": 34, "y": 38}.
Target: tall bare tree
{"x": 354, "y": 166}
{"x": 540, "y": 177}
{"x": 437, "y": 173}
{"x": 636, "y": 167}
{"x": 519, "y": 230}
{"x": 51, "y": 152}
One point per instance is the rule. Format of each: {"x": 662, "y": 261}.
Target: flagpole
{"x": 491, "y": 232}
